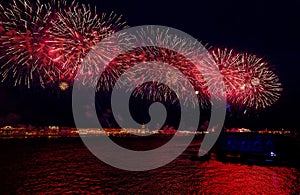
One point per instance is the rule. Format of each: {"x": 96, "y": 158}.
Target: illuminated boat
{"x": 252, "y": 147}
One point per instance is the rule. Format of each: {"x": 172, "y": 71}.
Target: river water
{"x": 61, "y": 166}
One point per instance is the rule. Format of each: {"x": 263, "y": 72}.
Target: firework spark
{"x": 63, "y": 86}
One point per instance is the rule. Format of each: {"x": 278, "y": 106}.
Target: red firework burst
{"x": 248, "y": 80}
{"x": 23, "y": 47}
{"x": 260, "y": 86}
{"x": 72, "y": 35}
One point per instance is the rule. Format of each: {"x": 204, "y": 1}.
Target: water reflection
{"x": 68, "y": 167}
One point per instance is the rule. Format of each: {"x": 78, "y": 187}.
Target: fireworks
{"x": 161, "y": 91}
{"x": 226, "y": 62}
{"x": 248, "y": 79}
{"x": 45, "y": 43}
{"x": 73, "y": 33}
{"x": 100, "y": 58}
{"x": 260, "y": 87}
{"x": 23, "y": 47}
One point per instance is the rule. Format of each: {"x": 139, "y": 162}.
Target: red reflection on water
{"x": 64, "y": 166}
{"x": 221, "y": 178}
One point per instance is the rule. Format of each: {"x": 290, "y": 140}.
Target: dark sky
{"x": 266, "y": 28}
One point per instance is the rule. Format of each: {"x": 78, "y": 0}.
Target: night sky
{"x": 266, "y": 28}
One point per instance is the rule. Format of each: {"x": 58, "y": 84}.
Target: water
{"x": 66, "y": 166}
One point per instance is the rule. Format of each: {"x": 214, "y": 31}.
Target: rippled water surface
{"x": 66, "y": 166}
